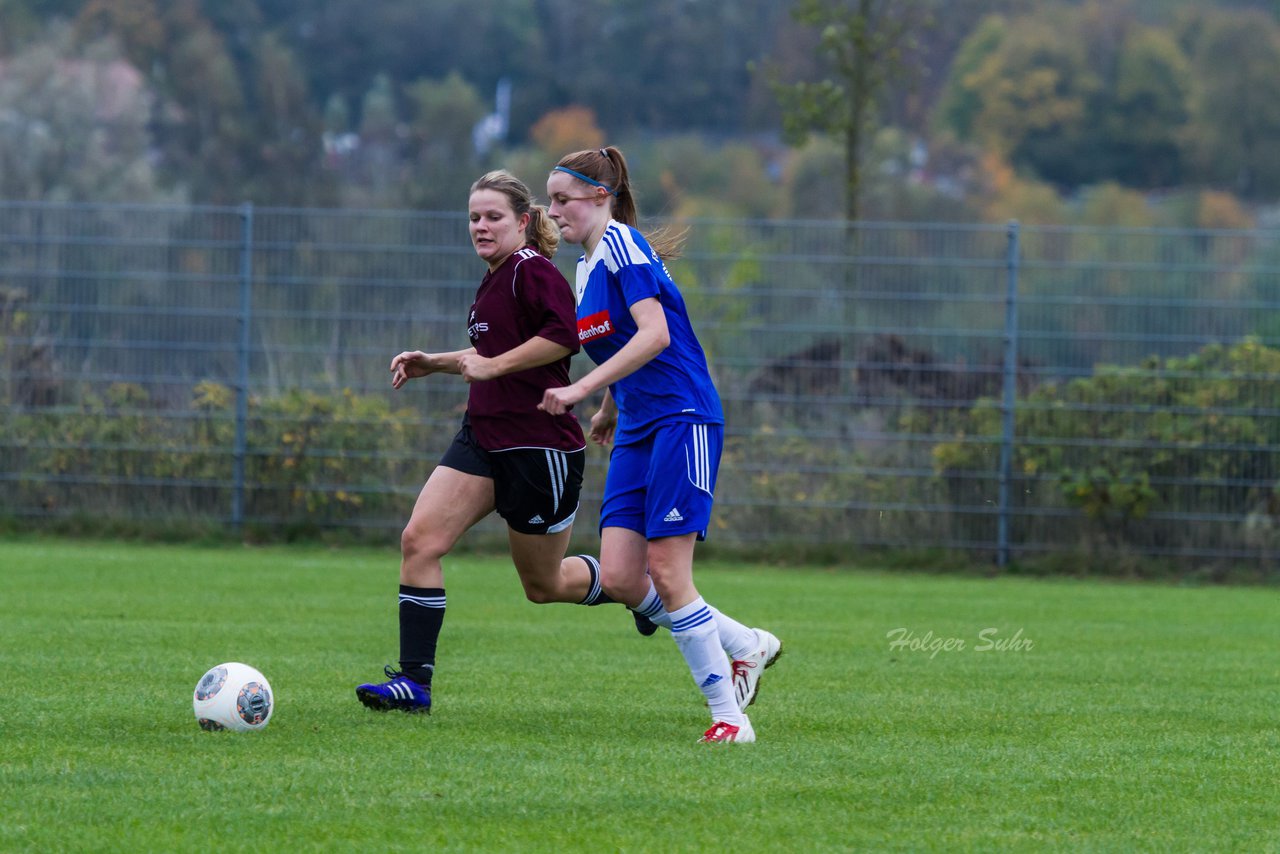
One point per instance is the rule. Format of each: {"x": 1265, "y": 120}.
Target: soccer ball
{"x": 233, "y": 696}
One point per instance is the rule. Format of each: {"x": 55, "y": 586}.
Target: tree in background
{"x": 867, "y": 46}
{"x": 74, "y": 124}
{"x": 233, "y": 118}
{"x": 569, "y": 129}
{"x": 1147, "y": 110}
{"x": 1236, "y": 100}
{"x": 441, "y": 147}
{"x": 1029, "y": 99}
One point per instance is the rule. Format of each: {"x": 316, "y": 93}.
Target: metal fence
{"x": 1005, "y": 391}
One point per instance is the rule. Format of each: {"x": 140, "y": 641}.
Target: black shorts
{"x": 535, "y": 490}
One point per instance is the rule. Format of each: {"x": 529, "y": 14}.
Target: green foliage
{"x": 1036, "y": 89}
{"x": 1182, "y": 432}
{"x": 961, "y": 101}
{"x": 865, "y": 48}
{"x": 1146, "y": 117}
{"x": 254, "y": 99}
{"x": 1236, "y": 101}
{"x": 317, "y": 458}
{"x": 73, "y": 125}
{"x": 442, "y": 116}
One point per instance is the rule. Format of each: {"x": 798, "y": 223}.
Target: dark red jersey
{"x": 524, "y": 298}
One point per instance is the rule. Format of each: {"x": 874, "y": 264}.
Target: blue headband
{"x": 590, "y": 181}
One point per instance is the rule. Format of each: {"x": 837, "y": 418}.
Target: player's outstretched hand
{"x": 409, "y": 365}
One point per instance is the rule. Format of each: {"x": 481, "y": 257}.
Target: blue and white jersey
{"x": 675, "y": 385}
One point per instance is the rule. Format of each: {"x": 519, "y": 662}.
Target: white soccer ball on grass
{"x": 233, "y": 696}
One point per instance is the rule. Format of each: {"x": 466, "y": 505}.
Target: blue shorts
{"x": 663, "y": 485}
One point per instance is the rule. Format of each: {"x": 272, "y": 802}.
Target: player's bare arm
{"x": 413, "y": 364}
{"x": 533, "y": 353}
{"x": 650, "y": 339}
{"x": 605, "y": 421}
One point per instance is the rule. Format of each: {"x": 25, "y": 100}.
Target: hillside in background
{"x": 1133, "y": 113}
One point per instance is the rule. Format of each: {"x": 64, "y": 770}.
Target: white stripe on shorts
{"x": 558, "y": 469}
{"x": 698, "y": 461}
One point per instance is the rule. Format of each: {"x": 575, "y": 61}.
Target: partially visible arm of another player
{"x": 533, "y": 353}
{"x": 605, "y": 421}
{"x": 650, "y": 339}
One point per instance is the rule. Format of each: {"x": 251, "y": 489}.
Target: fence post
{"x": 242, "y": 370}
{"x": 1010, "y": 392}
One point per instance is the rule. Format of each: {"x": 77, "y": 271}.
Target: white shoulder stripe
{"x": 524, "y": 255}
{"x": 622, "y": 248}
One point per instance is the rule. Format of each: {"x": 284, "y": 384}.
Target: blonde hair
{"x": 608, "y": 168}
{"x": 542, "y": 233}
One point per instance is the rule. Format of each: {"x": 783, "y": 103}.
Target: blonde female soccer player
{"x": 508, "y": 456}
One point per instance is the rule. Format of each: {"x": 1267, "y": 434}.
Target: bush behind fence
{"x": 1010, "y": 393}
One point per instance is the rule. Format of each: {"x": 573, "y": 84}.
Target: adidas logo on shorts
{"x": 537, "y": 520}
{"x": 673, "y": 516}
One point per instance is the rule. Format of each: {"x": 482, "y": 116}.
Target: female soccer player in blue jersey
{"x": 662, "y": 413}
{"x": 509, "y": 456}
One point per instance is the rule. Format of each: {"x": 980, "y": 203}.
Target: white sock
{"x": 651, "y": 607}
{"x": 694, "y": 630}
{"x": 736, "y": 639}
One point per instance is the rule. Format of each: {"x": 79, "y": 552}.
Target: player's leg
{"x": 624, "y": 560}
{"x": 546, "y": 575}
{"x": 752, "y": 650}
{"x": 536, "y": 491}
{"x": 693, "y": 627}
{"x": 457, "y": 495}
{"x": 686, "y": 459}
{"x": 623, "y": 545}
{"x": 450, "y": 504}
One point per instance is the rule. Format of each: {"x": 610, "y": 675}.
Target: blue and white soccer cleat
{"x": 400, "y": 693}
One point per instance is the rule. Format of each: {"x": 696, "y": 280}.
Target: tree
{"x": 73, "y": 125}
{"x": 570, "y": 129}
{"x": 201, "y": 125}
{"x": 1039, "y": 96}
{"x": 960, "y": 103}
{"x": 285, "y": 142}
{"x": 1236, "y": 102}
{"x": 443, "y": 117}
{"x": 1148, "y": 110}
{"x": 866, "y": 46}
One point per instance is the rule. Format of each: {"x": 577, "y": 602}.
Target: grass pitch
{"x": 908, "y": 713}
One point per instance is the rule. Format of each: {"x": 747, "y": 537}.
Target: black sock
{"x": 421, "y": 616}
{"x": 595, "y": 596}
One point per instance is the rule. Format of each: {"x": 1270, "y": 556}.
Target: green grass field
{"x": 1118, "y": 717}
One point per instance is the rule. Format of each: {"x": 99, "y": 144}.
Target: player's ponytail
{"x": 607, "y": 168}
{"x": 541, "y": 232}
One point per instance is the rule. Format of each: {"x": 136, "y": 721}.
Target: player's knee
{"x": 538, "y": 593}
{"x": 417, "y": 543}
{"x": 624, "y": 588}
